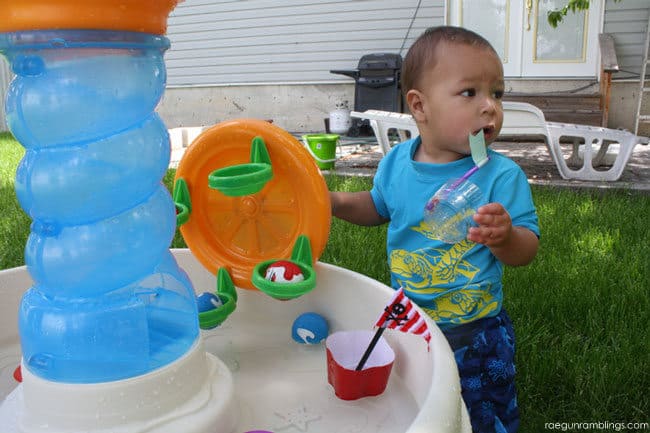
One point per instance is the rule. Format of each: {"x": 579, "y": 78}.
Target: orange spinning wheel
{"x": 238, "y": 232}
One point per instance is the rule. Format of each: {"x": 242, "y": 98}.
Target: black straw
{"x": 370, "y": 348}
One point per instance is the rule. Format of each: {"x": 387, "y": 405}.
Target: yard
{"x": 581, "y": 310}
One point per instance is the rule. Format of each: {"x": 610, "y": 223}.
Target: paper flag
{"x": 400, "y": 314}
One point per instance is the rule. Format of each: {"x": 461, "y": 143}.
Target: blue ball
{"x": 309, "y": 328}
{"x": 208, "y": 301}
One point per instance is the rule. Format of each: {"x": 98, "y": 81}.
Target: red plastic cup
{"x": 344, "y": 350}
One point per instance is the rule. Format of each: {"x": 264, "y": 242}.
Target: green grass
{"x": 14, "y": 224}
{"x": 581, "y": 310}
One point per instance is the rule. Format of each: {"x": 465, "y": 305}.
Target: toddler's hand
{"x": 494, "y": 225}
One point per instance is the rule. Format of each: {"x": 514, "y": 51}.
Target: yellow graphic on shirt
{"x": 446, "y": 278}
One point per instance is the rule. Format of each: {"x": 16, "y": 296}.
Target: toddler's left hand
{"x": 494, "y": 225}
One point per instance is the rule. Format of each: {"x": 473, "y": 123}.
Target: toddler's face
{"x": 461, "y": 96}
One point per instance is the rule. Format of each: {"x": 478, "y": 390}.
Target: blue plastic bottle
{"x": 109, "y": 301}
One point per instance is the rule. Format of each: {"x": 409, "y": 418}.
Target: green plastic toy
{"x": 301, "y": 256}
{"x": 227, "y": 293}
{"x": 182, "y": 202}
{"x": 244, "y": 179}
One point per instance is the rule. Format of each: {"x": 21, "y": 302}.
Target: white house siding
{"x": 626, "y": 21}
{"x": 270, "y": 59}
{"x": 284, "y": 41}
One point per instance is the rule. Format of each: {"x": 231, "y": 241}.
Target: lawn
{"x": 581, "y": 310}
{"x": 14, "y": 224}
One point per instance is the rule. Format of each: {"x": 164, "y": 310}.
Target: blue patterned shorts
{"x": 485, "y": 354}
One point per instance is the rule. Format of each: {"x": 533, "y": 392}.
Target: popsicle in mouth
{"x": 480, "y": 157}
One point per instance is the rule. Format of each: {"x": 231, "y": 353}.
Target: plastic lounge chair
{"x": 522, "y": 119}
{"x": 383, "y": 122}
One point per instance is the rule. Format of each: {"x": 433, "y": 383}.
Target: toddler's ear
{"x": 414, "y": 100}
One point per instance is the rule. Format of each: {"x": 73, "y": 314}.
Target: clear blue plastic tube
{"x": 109, "y": 301}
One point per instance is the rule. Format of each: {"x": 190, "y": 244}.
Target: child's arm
{"x": 356, "y": 207}
{"x": 513, "y": 245}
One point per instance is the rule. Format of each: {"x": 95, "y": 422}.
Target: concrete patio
{"x": 359, "y": 156}
{"x": 361, "y": 159}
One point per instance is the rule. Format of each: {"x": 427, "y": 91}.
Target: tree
{"x": 556, "y": 16}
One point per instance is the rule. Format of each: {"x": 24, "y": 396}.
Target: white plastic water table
{"x": 280, "y": 385}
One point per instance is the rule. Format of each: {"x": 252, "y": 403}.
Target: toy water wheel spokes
{"x": 240, "y": 231}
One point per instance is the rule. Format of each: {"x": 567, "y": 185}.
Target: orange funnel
{"x": 147, "y": 16}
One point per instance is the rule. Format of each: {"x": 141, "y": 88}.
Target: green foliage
{"x": 556, "y": 16}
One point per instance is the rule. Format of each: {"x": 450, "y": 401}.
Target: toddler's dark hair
{"x": 422, "y": 54}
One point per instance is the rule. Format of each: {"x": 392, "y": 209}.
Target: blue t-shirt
{"x": 454, "y": 284}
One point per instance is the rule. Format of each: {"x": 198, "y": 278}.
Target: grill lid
{"x": 377, "y": 61}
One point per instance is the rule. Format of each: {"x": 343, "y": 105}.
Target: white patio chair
{"x": 384, "y": 122}
{"x": 590, "y": 144}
